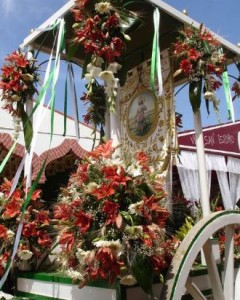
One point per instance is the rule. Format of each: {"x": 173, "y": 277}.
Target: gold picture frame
{"x": 142, "y": 115}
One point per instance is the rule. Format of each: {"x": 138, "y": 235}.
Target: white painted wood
{"x": 64, "y": 291}
{"x": 237, "y": 284}
{"x": 189, "y": 249}
{"x": 216, "y": 284}
{"x": 49, "y": 22}
{"x": 194, "y": 290}
{"x": 201, "y": 164}
{"x": 228, "y": 275}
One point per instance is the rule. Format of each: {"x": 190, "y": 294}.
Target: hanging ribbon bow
{"x": 156, "y": 56}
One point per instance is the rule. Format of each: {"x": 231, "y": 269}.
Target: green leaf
{"x": 27, "y": 128}
{"x": 142, "y": 270}
{"x": 195, "y": 89}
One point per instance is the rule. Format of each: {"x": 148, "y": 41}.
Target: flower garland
{"x": 99, "y": 28}
{"x": 35, "y": 239}
{"x": 112, "y": 217}
{"x": 200, "y": 60}
{"x": 18, "y": 82}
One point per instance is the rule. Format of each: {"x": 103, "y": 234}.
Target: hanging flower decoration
{"x": 112, "y": 217}
{"x": 201, "y": 61}
{"x": 236, "y": 89}
{"x": 99, "y": 29}
{"x": 18, "y": 82}
{"x": 35, "y": 239}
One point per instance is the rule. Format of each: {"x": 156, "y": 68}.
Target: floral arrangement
{"x": 236, "y": 89}
{"x": 99, "y": 28}
{"x": 112, "y": 217}
{"x": 18, "y": 82}
{"x": 200, "y": 61}
{"x": 35, "y": 239}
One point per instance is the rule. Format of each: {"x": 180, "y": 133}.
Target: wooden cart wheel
{"x": 224, "y": 286}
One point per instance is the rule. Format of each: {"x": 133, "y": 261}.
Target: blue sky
{"x": 18, "y": 17}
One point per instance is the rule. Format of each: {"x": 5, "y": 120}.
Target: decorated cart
{"x": 112, "y": 217}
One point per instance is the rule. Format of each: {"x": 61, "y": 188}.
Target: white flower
{"x": 103, "y": 7}
{"x": 127, "y": 37}
{"x": 135, "y": 208}
{"x": 107, "y": 76}
{"x": 114, "y": 162}
{"x": 128, "y": 280}
{"x": 88, "y": 76}
{"x": 209, "y": 95}
{"x": 74, "y": 274}
{"x": 93, "y": 70}
{"x": 10, "y": 234}
{"x": 114, "y": 67}
{"x": 82, "y": 255}
{"x": 91, "y": 187}
{"x": 115, "y": 246}
{"x": 1, "y": 195}
{"x": 25, "y": 254}
{"x": 135, "y": 170}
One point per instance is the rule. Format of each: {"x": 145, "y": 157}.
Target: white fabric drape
{"x": 218, "y": 164}
{"x": 188, "y": 173}
{"x": 233, "y": 166}
{"x": 187, "y": 165}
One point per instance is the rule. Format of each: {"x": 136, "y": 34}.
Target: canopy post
{"x": 204, "y": 195}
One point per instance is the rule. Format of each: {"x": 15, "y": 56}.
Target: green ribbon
{"x": 228, "y": 96}
{"x": 6, "y": 158}
{"x": 52, "y": 78}
{"x": 155, "y": 61}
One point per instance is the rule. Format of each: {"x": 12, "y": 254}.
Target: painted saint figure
{"x": 140, "y": 114}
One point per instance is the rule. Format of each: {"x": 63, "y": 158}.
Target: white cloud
{"x": 7, "y": 6}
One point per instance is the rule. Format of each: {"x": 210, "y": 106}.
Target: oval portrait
{"x": 142, "y": 115}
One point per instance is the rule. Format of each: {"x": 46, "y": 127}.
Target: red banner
{"x": 223, "y": 139}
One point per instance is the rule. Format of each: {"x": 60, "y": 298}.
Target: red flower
{"x": 112, "y": 21}
{"x": 29, "y": 229}
{"x": 116, "y": 175}
{"x": 19, "y": 59}
{"x": 111, "y": 209}
{"x": 83, "y": 221}
{"x": 12, "y": 209}
{"x": 42, "y": 217}
{"x": 43, "y": 239}
{"x": 105, "y": 190}
{"x": 36, "y": 195}
{"x": 109, "y": 267}
{"x": 158, "y": 263}
{"x": 236, "y": 90}
{"x": 193, "y": 54}
{"x": 6, "y": 186}
{"x": 62, "y": 211}
{"x": 103, "y": 150}
{"x": 67, "y": 240}
{"x": 3, "y": 231}
{"x": 186, "y": 66}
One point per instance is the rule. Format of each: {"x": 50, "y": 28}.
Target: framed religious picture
{"x": 142, "y": 115}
